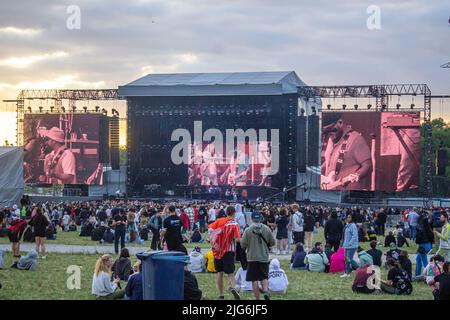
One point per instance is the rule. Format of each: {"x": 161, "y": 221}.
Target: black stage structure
{"x": 159, "y": 104}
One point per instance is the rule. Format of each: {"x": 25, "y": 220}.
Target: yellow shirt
{"x": 209, "y": 257}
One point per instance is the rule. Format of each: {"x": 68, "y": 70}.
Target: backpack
{"x": 28, "y": 234}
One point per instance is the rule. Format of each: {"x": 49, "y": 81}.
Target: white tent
{"x": 11, "y": 176}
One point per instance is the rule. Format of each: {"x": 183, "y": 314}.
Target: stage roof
{"x": 213, "y": 84}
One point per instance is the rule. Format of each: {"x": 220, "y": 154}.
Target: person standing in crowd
{"x": 155, "y": 225}
{"x": 308, "y": 227}
{"x": 436, "y": 224}
{"x": 40, "y": 224}
{"x": 350, "y": 245}
{"x": 226, "y": 233}
{"x": 202, "y": 214}
{"x": 211, "y": 214}
{"x": 333, "y": 231}
{"x": 120, "y": 225}
{"x": 171, "y": 232}
{"x": 444, "y": 237}
{"x": 424, "y": 239}
{"x": 257, "y": 241}
{"x": 381, "y": 222}
{"x": 15, "y": 231}
{"x": 297, "y": 225}
{"x": 102, "y": 286}
{"x": 282, "y": 231}
{"x": 413, "y": 222}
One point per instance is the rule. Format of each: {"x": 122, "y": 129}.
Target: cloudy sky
{"x": 325, "y": 42}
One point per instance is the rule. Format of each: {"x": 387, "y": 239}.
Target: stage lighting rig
{"x": 40, "y": 109}
{"x": 97, "y": 108}
{"x": 369, "y": 106}
{"x": 74, "y": 108}
{"x": 63, "y": 109}
{"x": 85, "y": 109}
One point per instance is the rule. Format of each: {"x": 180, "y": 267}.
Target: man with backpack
{"x": 155, "y": 224}
{"x": 224, "y": 233}
{"x": 257, "y": 241}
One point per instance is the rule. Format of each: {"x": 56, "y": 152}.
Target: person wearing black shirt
{"x": 375, "y": 253}
{"x": 333, "y": 231}
{"x": 443, "y": 293}
{"x": 405, "y": 263}
{"x": 389, "y": 239}
{"x": 397, "y": 281}
{"x": 119, "y": 223}
{"x": 171, "y": 232}
{"x": 202, "y": 218}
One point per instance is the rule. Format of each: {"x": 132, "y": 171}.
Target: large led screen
{"x": 372, "y": 151}
{"x": 62, "y": 149}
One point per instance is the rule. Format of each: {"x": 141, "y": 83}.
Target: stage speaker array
{"x": 301, "y": 144}
{"x": 104, "y": 140}
{"x": 114, "y": 142}
{"x": 441, "y": 161}
{"x": 313, "y": 140}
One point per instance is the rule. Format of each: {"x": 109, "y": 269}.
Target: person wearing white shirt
{"x": 211, "y": 215}
{"x": 278, "y": 281}
{"x": 102, "y": 286}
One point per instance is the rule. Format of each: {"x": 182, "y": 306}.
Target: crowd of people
{"x": 246, "y": 233}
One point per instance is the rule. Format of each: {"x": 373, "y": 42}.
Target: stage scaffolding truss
{"x": 58, "y": 95}
{"x": 381, "y": 94}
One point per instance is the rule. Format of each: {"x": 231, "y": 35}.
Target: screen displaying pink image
{"x": 62, "y": 149}
{"x": 371, "y": 151}
{"x": 249, "y": 165}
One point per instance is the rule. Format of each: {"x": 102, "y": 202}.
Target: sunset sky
{"x": 325, "y": 42}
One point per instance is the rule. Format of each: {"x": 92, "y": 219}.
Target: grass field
{"x": 72, "y": 238}
{"x": 50, "y": 278}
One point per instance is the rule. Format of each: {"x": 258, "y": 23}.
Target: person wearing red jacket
{"x": 186, "y": 222}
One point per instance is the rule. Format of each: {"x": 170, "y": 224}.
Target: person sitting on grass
{"x": 298, "y": 258}
{"x": 108, "y": 236}
{"x": 372, "y": 234}
{"x": 242, "y": 285}
{"x": 122, "y": 268}
{"x": 401, "y": 239}
{"x": 364, "y": 257}
{"x": 96, "y": 234}
{"x": 389, "y": 239}
{"x": 209, "y": 261}
{"x": 375, "y": 253}
{"x": 2, "y": 259}
{"x": 405, "y": 263}
{"x": 442, "y": 283}
{"x": 102, "y": 286}
{"x": 278, "y": 280}
{"x": 433, "y": 269}
{"x": 191, "y": 289}
{"x": 28, "y": 262}
{"x": 361, "y": 282}
{"x": 197, "y": 261}
{"x": 397, "y": 279}
{"x": 337, "y": 261}
{"x": 316, "y": 260}
{"x": 196, "y": 236}
{"x": 134, "y": 289}
{"x": 394, "y": 253}
{"x": 328, "y": 251}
